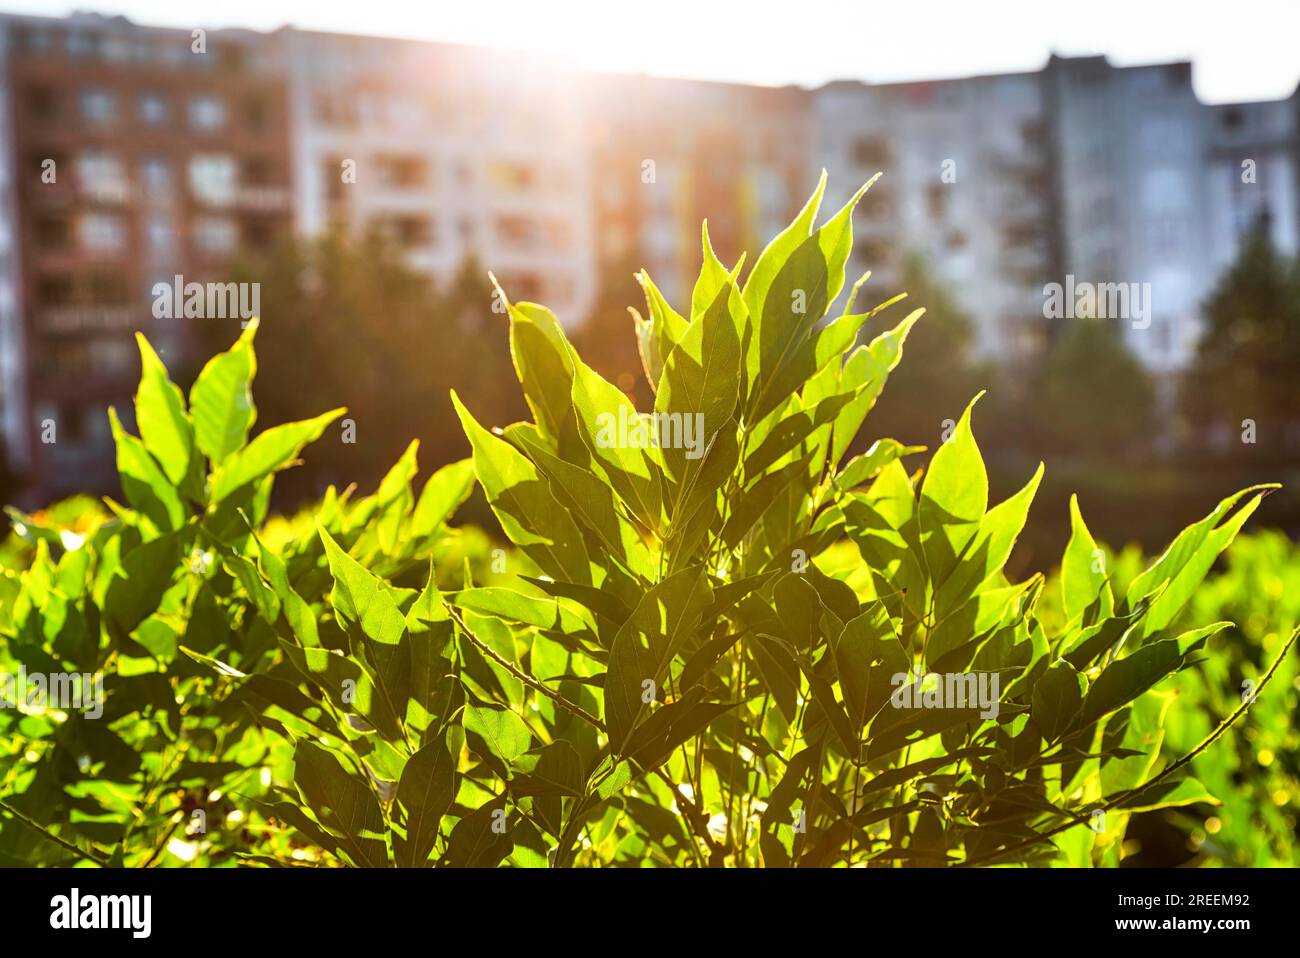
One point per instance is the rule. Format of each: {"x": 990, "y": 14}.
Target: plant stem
{"x": 1139, "y": 789}
{"x": 31, "y": 823}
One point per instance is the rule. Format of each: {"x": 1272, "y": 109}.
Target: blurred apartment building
{"x": 126, "y": 159}
{"x": 1132, "y": 173}
{"x": 1109, "y": 175}
{"x": 967, "y": 186}
{"x": 668, "y": 154}
{"x": 455, "y": 151}
{"x": 174, "y": 162}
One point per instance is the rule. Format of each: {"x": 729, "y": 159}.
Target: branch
{"x": 75, "y": 849}
{"x": 1138, "y": 789}
{"x": 570, "y": 707}
{"x": 694, "y": 817}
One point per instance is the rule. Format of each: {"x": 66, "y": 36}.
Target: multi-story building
{"x": 1132, "y": 174}
{"x": 1082, "y": 173}
{"x": 1254, "y": 169}
{"x": 966, "y": 186}
{"x": 134, "y": 155}
{"x": 130, "y": 155}
{"x": 458, "y": 152}
{"x": 668, "y": 154}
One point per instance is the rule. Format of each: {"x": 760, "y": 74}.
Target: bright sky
{"x": 1241, "y": 51}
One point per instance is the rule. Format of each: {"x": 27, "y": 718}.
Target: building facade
{"x": 966, "y": 186}
{"x": 131, "y": 156}
{"x": 458, "y": 153}
{"x": 134, "y": 156}
{"x": 669, "y": 154}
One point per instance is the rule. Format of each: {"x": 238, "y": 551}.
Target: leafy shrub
{"x": 1257, "y": 776}
{"x": 675, "y": 663}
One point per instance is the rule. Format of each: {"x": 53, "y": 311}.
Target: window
{"x": 81, "y": 44}
{"x": 525, "y": 285}
{"x": 513, "y": 176}
{"x": 33, "y": 40}
{"x": 213, "y": 178}
{"x": 877, "y": 203}
{"x": 72, "y": 420}
{"x": 156, "y": 175}
{"x": 98, "y": 106}
{"x": 215, "y": 234}
{"x": 153, "y": 109}
{"x": 113, "y": 359}
{"x": 516, "y": 230}
{"x": 872, "y": 151}
{"x": 232, "y": 57}
{"x": 102, "y": 232}
{"x": 101, "y": 173}
{"x": 875, "y": 252}
{"x": 207, "y": 113}
{"x": 160, "y": 235}
{"x": 408, "y": 231}
{"x": 401, "y": 172}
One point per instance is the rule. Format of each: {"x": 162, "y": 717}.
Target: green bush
{"x": 1257, "y": 775}
{"x": 733, "y": 647}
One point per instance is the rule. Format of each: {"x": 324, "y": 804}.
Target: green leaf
{"x": 701, "y": 380}
{"x": 521, "y": 498}
{"x": 365, "y": 601}
{"x": 591, "y": 501}
{"x": 393, "y": 498}
{"x": 1184, "y": 565}
{"x": 862, "y": 469}
{"x": 603, "y": 412}
{"x": 504, "y": 732}
{"x": 442, "y": 495}
{"x": 221, "y": 399}
{"x": 362, "y": 597}
{"x": 982, "y": 561}
{"x": 552, "y": 768}
{"x": 664, "y": 729}
{"x": 644, "y": 647}
{"x": 425, "y": 790}
{"x": 145, "y": 484}
{"x": 544, "y": 363}
{"x": 341, "y": 803}
{"x": 270, "y": 452}
{"x": 145, "y": 575}
{"x": 1083, "y": 569}
{"x": 781, "y": 803}
{"x": 867, "y": 654}
{"x": 1125, "y": 679}
{"x": 868, "y": 367}
{"x": 659, "y": 335}
{"x": 792, "y": 285}
{"x": 954, "y": 495}
{"x": 160, "y": 416}
{"x": 1056, "y": 701}
{"x": 1170, "y": 794}
{"x": 475, "y": 843}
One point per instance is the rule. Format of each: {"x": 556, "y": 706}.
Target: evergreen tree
{"x": 1097, "y": 399}
{"x": 1248, "y": 355}
{"x": 939, "y": 377}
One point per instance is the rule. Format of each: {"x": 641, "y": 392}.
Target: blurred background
{"x": 354, "y": 191}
